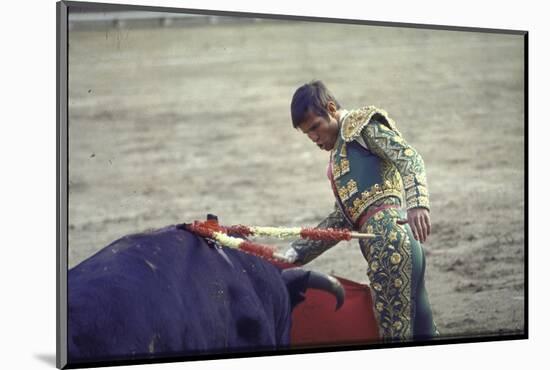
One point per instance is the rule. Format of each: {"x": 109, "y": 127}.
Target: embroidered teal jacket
{"x": 371, "y": 164}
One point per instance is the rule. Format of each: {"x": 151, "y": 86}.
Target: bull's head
{"x": 298, "y": 281}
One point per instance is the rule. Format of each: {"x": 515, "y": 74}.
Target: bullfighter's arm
{"x": 384, "y": 139}
{"x": 307, "y": 250}
{"x": 390, "y": 145}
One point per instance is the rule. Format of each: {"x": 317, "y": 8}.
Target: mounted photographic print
{"x": 235, "y": 185}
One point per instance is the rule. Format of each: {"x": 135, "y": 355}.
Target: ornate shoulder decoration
{"x": 357, "y": 119}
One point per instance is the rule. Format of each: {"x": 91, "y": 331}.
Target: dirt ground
{"x": 169, "y": 124}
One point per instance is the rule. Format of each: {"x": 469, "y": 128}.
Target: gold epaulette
{"x": 357, "y": 119}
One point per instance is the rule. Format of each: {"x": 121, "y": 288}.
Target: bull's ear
{"x": 296, "y": 281}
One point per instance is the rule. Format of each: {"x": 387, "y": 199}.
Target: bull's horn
{"x": 327, "y": 283}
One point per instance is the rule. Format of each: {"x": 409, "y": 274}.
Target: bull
{"x": 170, "y": 293}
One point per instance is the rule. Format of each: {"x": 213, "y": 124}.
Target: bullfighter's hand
{"x": 291, "y": 255}
{"x": 419, "y": 220}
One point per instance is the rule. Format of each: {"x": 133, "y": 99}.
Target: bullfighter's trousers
{"x": 396, "y": 265}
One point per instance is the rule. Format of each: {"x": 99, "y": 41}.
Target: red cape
{"x": 315, "y": 321}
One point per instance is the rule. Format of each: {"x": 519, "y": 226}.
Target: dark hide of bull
{"x": 169, "y": 293}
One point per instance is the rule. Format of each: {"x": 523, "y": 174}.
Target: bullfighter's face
{"x": 322, "y": 131}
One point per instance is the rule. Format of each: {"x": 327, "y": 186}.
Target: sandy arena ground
{"x": 169, "y": 124}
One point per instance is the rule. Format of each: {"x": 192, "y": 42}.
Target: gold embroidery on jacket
{"x": 395, "y": 152}
{"x": 343, "y": 193}
{"x": 343, "y": 151}
{"x": 418, "y": 202}
{"x": 390, "y": 187}
{"x": 348, "y": 190}
{"x": 354, "y": 122}
{"x": 414, "y": 179}
{"x": 335, "y": 170}
{"x": 352, "y": 187}
{"x": 344, "y": 167}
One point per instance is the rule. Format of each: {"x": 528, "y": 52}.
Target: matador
{"x": 374, "y": 173}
